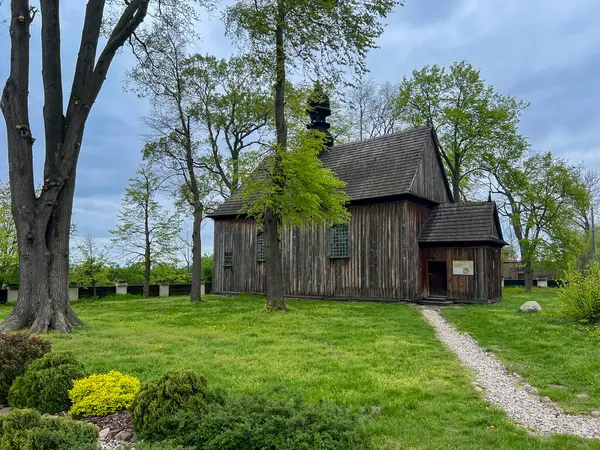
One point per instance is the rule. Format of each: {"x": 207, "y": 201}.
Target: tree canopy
{"x": 325, "y": 40}
{"x": 472, "y": 120}
{"x": 540, "y": 195}
{"x": 145, "y": 232}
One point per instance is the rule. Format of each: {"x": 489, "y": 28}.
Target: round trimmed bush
{"x": 17, "y": 351}
{"x": 46, "y": 383}
{"x": 101, "y": 395}
{"x": 26, "y": 429}
{"x": 160, "y": 404}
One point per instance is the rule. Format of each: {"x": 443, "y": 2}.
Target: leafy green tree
{"x": 130, "y": 273}
{"x": 9, "y": 257}
{"x": 206, "y": 116}
{"x": 585, "y": 218}
{"x": 173, "y": 147}
{"x": 169, "y": 273}
{"x": 328, "y": 38}
{"x": 146, "y": 232}
{"x": 471, "y": 119}
{"x": 91, "y": 267}
{"x": 207, "y": 268}
{"x": 43, "y": 219}
{"x": 233, "y": 109}
{"x": 540, "y": 195}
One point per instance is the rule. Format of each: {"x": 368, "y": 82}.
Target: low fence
{"x": 76, "y": 293}
{"x": 549, "y": 283}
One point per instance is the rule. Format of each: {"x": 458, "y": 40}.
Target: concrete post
{"x": 73, "y": 293}
{"x": 542, "y": 282}
{"x": 121, "y": 288}
{"x": 203, "y": 288}
{"x": 12, "y": 295}
{"x": 163, "y": 290}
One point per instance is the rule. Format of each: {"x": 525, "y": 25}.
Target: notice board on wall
{"x": 462, "y": 268}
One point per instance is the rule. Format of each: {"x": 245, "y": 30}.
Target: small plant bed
{"x": 557, "y": 356}
{"x": 376, "y": 366}
{"x": 115, "y": 427}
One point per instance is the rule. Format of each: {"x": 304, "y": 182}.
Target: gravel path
{"x": 509, "y": 392}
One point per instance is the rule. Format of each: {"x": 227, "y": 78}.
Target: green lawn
{"x": 543, "y": 348}
{"x": 355, "y": 354}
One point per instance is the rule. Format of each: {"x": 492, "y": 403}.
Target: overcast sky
{"x": 546, "y": 52}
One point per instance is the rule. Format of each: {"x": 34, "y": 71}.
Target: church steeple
{"x": 318, "y": 110}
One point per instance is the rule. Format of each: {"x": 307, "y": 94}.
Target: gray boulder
{"x": 531, "y": 307}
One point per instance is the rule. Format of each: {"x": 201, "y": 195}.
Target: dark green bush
{"x": 580, "y": 296}
{"x": 26, "y": 429}
{"x": 160, "y": 403}
{"x": 17, "y": 351}
{"x": 283, "y": 423}
{"x": 164, "y": 445}
{"x": 46, "y": 383}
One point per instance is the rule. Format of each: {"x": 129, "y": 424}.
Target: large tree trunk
{"x": 43, "y": 302}
{"x": 196, "y": 293}
{"x": 43, "y": 222}
{"x": 273, "y": 271}
{"x": 455, "y": 176}
{"x": 275, "y": 285}
{"x": 528, "y": 276}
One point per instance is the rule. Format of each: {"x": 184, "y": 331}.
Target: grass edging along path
{"x": 502, "y": 389}
{"x": 557, "y": 356}
{"x": 353, "y": 354}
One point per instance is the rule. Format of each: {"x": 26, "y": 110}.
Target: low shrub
{"x": 46, "y": 383}
{"x": 26, "y": 429}
{"x": 580, "y": 295}
{"x": 17, "y": 351}
{"x": 283, "y": 423}
{"x": 101, "y": 395}
{"x": 160, "y": 404}
{"x": 164, "y": 445}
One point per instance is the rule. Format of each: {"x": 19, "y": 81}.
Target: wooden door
{"x": 438, "y": 279}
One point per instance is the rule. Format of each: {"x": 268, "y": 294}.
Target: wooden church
{"x": 407, "y": 240}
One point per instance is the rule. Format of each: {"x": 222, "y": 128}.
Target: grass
{"x": 557, "y": 356}
{"x": 354, "y": 354}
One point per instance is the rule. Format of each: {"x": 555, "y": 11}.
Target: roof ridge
{"x": 384, "y": 136}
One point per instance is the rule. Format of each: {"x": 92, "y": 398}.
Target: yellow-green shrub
{"x": 580, "y": 295}
{"x": 101, "y": 395}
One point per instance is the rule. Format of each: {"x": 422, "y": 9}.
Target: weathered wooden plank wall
{"x": 383, "y": 262}
{"x": 416, "y": 215}
{"x": 246, "y": 275}
{"x": 484, "y": 285}
{"x": 429, "y": 179}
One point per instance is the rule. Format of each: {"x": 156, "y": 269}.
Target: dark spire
{"x": 490, "y": 196}
{"x": 318, "y": 110}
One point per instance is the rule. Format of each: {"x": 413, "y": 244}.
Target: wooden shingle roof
{"x": 462, "y": 222}
{"x": 378, "y": 167}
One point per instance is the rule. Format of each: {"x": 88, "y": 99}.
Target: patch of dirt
{"x": 116, "y": 427}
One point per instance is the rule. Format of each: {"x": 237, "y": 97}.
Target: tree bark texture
{"x": 275, "y": 285}
{"x": 275, "y": 288}
{"x": 43, "y": 221}
{"x": 147, "y": 248}
{"x": 528, "y": 276}
{"x": 197, "y": 206}
{"x": 196, "y": 292}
